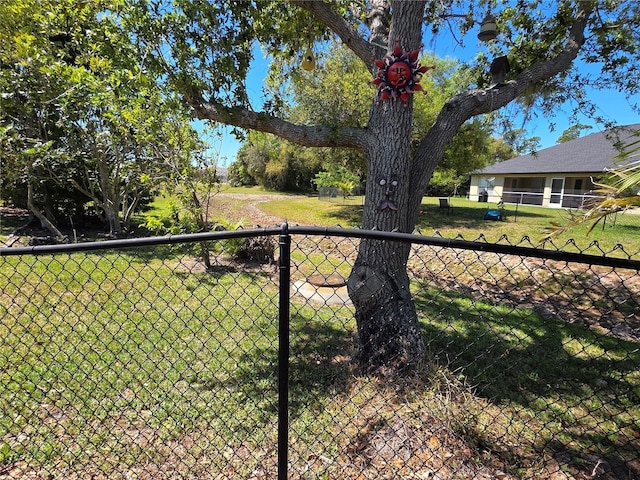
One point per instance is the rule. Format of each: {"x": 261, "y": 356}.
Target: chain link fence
{"x": 131, "y": 360}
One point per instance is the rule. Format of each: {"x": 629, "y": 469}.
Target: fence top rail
{"x": 139, "y": 242}
{"x": 286, "y": 229}
{"x": 571, "y": 257}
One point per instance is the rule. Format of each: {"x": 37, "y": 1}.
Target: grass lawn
{"x": 140, "y": 363}
{"x": 107, "y": 359}
{"x": 112, "y": 363}
{"x": 467, "y": 220}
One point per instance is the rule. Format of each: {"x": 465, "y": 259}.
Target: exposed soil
{"x": 245, "y": 207}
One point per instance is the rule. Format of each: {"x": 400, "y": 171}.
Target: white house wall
{"x": 496, "y": 192}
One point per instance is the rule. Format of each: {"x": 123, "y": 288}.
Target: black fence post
{"x": 283, "y": 351}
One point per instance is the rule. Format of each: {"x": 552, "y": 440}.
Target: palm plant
{"x": 618, "y": 191}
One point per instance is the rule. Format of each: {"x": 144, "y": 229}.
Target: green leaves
{"x": 86, "y": 120}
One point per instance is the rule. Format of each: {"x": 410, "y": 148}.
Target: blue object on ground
{"x": 493, "y": 215}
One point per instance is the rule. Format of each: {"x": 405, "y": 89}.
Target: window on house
{"x": 487, "y": 183}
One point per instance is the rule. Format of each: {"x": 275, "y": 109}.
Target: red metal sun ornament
{"x": 399, "y": 74}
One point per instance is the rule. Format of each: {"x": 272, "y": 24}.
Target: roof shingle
{"x": 592, "y": 153}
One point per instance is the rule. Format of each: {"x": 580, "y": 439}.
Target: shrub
{"x": 254, "y": 249}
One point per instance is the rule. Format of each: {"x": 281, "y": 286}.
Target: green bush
{"x": 171, "y": 223}
{"x": 232, "y": 246}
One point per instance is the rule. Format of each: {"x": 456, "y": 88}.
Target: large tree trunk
{"x": 388, "y": 331}
{"x": 389, "y": 334}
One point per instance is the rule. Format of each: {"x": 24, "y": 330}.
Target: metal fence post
{"x": 283, "y": 351}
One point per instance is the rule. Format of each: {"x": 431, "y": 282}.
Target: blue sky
{"x": 611, "y": 105}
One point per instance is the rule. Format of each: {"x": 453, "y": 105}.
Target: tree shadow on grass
{"x": 579, "y": 388}
{"x": 573, "y": 393}
{"x": 433, "y": 217}
{"x": 319, "y": 365}
{"x": 245, "y": 386}
{"x": 348, "y": 215}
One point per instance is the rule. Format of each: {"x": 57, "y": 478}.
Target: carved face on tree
{"x": 389, "y": 185}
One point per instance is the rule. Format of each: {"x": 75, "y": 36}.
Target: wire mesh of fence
{"x": 148, "y": 360}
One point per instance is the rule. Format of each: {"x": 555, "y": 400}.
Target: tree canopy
{"x": 207, "y": 47}
{"x": 84, "y": 129}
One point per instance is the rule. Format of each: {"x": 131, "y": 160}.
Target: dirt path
{"x": 244, "y": 207}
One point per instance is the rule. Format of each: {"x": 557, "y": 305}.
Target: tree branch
{"x": 31, "y": 205}
{"x": 307, "y": 136}
{"x": 464, "y": 106}
{"x": 350, "y": 37}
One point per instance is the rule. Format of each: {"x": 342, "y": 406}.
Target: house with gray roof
{"x": 561, "y": 176}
